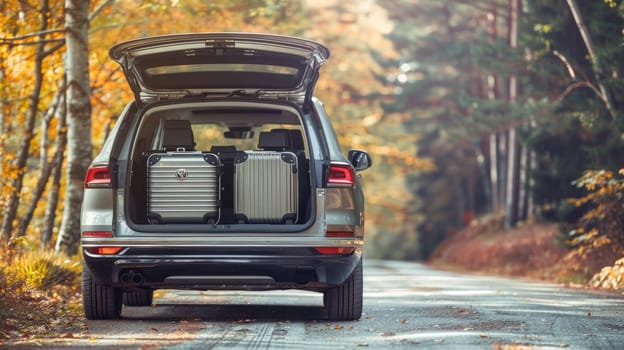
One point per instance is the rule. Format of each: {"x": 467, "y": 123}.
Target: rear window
{"x": 207, "y": 69}
{"x": 209, "y": 135}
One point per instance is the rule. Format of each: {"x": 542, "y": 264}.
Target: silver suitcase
{"x": 183, "y": 187}
{"x": 266, "y": 187}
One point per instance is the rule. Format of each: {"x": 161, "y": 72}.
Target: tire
{"x": 138, "y": 297}
{"x": 100, "y": 302}
{"x": 344, "y": 303}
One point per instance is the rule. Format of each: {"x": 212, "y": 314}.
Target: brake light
{"x": 97, "y": 234}
{"x": 340, "y": 175}
{"x": 339, "y": 234}
{"x": 97, "y": 176}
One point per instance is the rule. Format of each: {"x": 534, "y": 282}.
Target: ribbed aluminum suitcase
{"x": 183, "y": 187}
{"x": 266, "y": 187}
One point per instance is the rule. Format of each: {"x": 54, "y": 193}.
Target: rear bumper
{"x": 257, "y": 269}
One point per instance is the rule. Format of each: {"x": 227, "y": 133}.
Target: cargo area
{"x": 219, "y": 166}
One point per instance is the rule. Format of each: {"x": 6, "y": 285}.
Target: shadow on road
{"x": 224, "y": 313}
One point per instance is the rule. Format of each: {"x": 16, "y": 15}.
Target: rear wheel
{"x": 344, "y": 303}
{"x": 100, "y": 302}
{"x": 138, "y": 297}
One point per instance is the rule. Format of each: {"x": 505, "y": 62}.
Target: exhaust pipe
{"x": 131, "y": 277}
{"x": 125, "y": 277}
{"x": 137, "y": 278}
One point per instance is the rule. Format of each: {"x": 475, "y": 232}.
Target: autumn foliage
{"x": 600, "y": 231}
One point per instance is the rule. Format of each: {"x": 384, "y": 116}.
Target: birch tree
{"x": 79, "y": 152}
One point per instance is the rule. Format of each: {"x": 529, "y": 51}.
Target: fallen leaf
{"x": 387, "y": 334}
{"x": 93, "y": 339}
{"x": 589, "y": 313}
{"x": 484, "y": 336}
{"x": 338, "y": 327}
{"x": 404, "y": 321}
{"x": 67, "y": 335}
{"x": 154, "y": 329}
{"x": 362, "y": 344}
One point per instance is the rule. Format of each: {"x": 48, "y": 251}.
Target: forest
{"x": 511, "y": 110}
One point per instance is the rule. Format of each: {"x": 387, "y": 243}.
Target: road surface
{"x": 406, "y": 305}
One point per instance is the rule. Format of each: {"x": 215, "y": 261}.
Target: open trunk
{"x": 228, "y": 166}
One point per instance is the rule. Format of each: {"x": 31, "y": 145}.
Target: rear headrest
{"x": 273, "y": 141}
{"x": 294, "y": 138}
{"x": 178, "y": 134}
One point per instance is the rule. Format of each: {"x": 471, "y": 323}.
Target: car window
{"x": 208, "y": 135}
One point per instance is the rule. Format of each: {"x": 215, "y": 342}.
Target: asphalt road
{"x": 406, "y": 305}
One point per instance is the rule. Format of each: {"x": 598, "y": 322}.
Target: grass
{"x": 40, "y": 295}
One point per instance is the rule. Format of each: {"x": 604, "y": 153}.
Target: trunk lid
{"x": 221, "y": 65}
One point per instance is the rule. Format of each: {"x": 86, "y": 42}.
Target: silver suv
{"x": 223, "y": 173}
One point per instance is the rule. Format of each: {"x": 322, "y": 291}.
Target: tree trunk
{"x": 523, "y": 188}
{"x": 13, "y": 201}
{"x": 79, "y": 121}
{"x": 513, "y": 172}
{"x": 44, "y": 165}
{"x": 513, "y": 154}
{"x": 3, "y": 104}
{"x": 496, "y": 151}
{"x": 503, "y": 159}
{"x": 597, "y": 66}
{"x": 57, "y": 171}
{"x": 493, "y": 147}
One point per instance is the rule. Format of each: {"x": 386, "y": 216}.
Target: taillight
{"x": 336, "y": 250}
{"x": 339, "y": 234}
{"x": 340, "y": 175}
{"x": 101, "y": 250}
{"x": 97, "y": 176}
{"x": 98, "y": 234}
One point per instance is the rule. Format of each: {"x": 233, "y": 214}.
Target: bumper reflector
{"x": 335, "y": 250}
{"x": 104, "y": 250}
